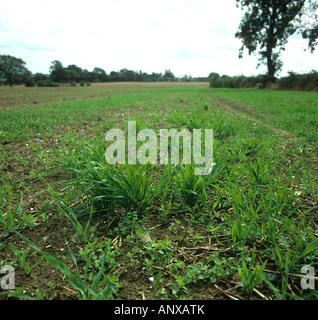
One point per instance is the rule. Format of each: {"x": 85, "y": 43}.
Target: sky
{"x": 189, "y": 37}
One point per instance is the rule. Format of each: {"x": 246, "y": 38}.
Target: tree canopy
{"x": 267, "y": 25}
{"x": 13, "y": 69}
{"x": 59, "y": 73}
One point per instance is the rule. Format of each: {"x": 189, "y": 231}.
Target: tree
{"x": 75, "y": 73}
{"x": 87, "y": 76}
{"x": 214, "y": 79}
{"x": 57, "y": 72}
{"x": 13, "y": 69}
{"x": 156, "y": 76}
{"x": 39, "y": 76}
{"x": 29, "y": 82}
{"x": 131, "y": 75}
{"x": 168, "y": 76}
{"x": 310, "y": 25}
{"x": 127, "y": 75}
{"x": 114, "y": 76}
{"x": 267, "y": 25}
{"x": 100, "y": 74}
{"x": 186, "y": 78}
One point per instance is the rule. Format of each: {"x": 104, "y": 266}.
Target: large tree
{"x": 168, "y": 76}
{"x": 13, "y": 69}
{"x": 74, "y": 72}
{"x": 267, "y": 25}
{"x": 99, "y": 74}
{"x": 57, "y": 72}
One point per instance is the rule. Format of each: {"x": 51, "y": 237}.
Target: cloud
{"x": 24, "y": 41}
{"x": 193, "y": 37}
{"x": 189, "y": 53}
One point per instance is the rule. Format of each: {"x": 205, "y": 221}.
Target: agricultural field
{"x": 74, "y": 227}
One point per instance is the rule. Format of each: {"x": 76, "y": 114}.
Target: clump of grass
{"x": 129, "y": 189}
{"x": 251, "y": 276}
{"x": 107, "y": 186}
{"x": 190, "y": 188}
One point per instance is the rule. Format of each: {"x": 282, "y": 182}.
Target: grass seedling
{"x": 156, "y": 285}
{"x": 102, "y": 287}
{"x": 11, "y": 219}
{"x": 289, "y": 259}
{"x": 22, "y": 258}
{"x": 191, "y": 188}
{"x": 251, "y": 277}
{"x": 82, "y": 232}
{"x": 11, "y": 216}
{"x": 166, "y": 209}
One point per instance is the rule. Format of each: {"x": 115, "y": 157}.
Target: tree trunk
{"x": 271, "y": 44}
{"x": 270, "y": 65}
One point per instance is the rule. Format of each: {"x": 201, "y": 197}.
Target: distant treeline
{"x": 74, "y": 74}
{"x": 293, "y": 81}
{"x": 59, "y": 73}
{"x": 14, "y": 71}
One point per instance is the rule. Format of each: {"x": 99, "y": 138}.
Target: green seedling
{"x": 251, "y": 277}
{"x": 22, "y": 257}
{"x": 102, "y": 287}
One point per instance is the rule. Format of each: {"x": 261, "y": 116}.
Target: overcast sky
{"x": 192, "y": 37}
